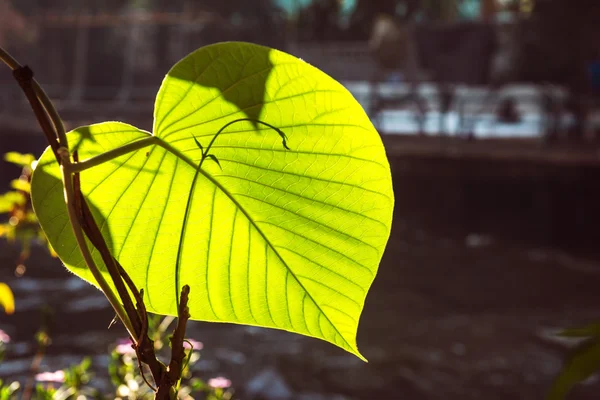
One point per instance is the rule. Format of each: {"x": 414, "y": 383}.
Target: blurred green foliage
{"x": 21, "y": 228}
{"x": 21, "y": 225}
{"x": 76, "y": 382}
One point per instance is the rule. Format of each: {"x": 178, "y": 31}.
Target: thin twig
{"x": 56, "y": 137}
{"x": 89, "y": 226}
{"x": 137, "y": 315}
{"x": 80, "y": 238}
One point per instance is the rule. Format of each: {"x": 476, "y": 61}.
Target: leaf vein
{"x": 267, "y": 242}
{"x": 309, "y": 198}
{"x": 310, "y": 220}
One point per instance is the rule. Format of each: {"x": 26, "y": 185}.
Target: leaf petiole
{"x": 154, "y": 140}
{"x": 81, "y": 242}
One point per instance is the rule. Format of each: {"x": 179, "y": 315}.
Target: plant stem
{"x": 8, "y": 59}
{"x": 155, "y": 140}
{"x": 168, "y": 387}
{"x": 82, "y": 222}
{"x": 43, "y": 107}
{"x": 87, "y": 256}
{"x": 125, "y": 149}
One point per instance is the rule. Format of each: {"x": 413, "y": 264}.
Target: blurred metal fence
{"x": 97, "y": 65}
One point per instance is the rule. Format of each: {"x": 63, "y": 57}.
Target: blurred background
{"x": 490, "y": 114}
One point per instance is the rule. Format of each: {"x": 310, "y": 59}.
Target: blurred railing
{"x": 109, "y": 66}
{"x": 348, "y": 61}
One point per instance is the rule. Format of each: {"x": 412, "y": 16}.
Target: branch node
{"x": 23, "y": 75}
{"x": 63, "y": 153}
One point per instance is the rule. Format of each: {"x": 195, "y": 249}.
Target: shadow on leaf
{"x": 240, "y": 74}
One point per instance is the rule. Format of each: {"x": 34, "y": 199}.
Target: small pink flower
{"x": 219, "y": 382}
{"x": 56, "y": 376}
{"x": 4, "y": 337}
{"x": 124, "y": 347}
{"x": 191, "y": 343}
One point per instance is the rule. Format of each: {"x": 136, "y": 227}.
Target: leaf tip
{"x": 354, "y": 350}
{"x": 215, "y": 159}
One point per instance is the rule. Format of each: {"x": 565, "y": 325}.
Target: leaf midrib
{"x": 274, "y": 249}
{"x": 167, "y": 146}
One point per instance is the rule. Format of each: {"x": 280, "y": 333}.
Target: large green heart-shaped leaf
{"x": 287, "y": 239}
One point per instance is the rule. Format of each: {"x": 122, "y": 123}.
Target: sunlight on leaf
{"x": 281, "y": 235}
{"x": 7, "y": 299}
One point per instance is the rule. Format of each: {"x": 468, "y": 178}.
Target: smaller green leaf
{"x": 20, "y": 184}
{"x": 581, "y": 364}
{"x": 22, "y": 160}
{"x": 10, "y": 200}
{"x": 7, "y": 299}
{"x": 85, "y": 364}
{"x": 215, "y": 159}
{"x": 7, "y": 391}
{"x": 590, "y": 330}
{"x": 198, "y": 144}
{"x": 197, "y": 384}
{"x": 7, "y": 231}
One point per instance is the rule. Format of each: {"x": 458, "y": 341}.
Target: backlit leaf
{"x": 266, "y": 236}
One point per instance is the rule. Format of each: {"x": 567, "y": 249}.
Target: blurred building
{"x": 483, "y": 43}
